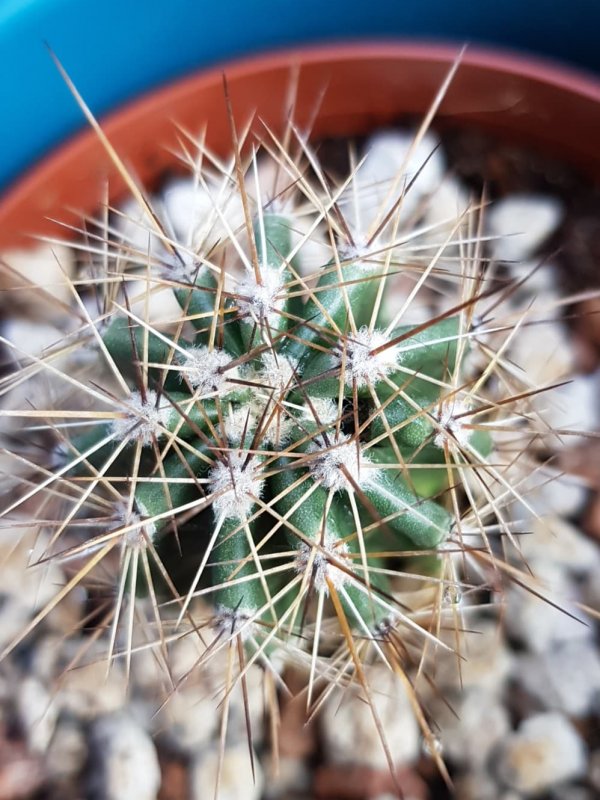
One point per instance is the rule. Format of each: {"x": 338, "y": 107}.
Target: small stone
{"x": 190, "y": 210}
{"x": 386, "y": 160}
{"x": 174, "y": 784}
{"x": 486, "y": 663}
{"x": 289, "y": 776}
{"x": 594, "y": 770}
{"x": 480, "y": 785}
{"x": 27, "y": 588}
{"x": 67, "y": 752}
{"x": 123, "y": 761}
{"x": 36, "y": 712}
{"x": 546, "y": 492}
{"x": 591, "y": 521}
{"x": 136, "y": 233}
{"x": 447, "y": 203}
{"x": 348, "y": 727}
{"x": 573, "y": 406}
{"x": 541, "y": 625}
{"x": 13, "y": 618}
{"x": 544, "y": 353}
{"x": 555, "y": 539}
{"x": 91, "y": 690}
{"x": 536, "y": 280}
{"x": 482, "y": 722}
{"x": 352, "y": 782}
{"x": 21, "y": 545}
{"x": 545, "y": 751}
{"x": 521, "y": 224}
{"x": 236, "y": 781}
{"x": 188, "y": 720}
{"x": 38, "y": 277}
{"x": 573, "y": 793}
{"x": 30, "y": 339}
{"x": 587, "y": 330}
{"x": 22, "y": 774}
{"x": 566, "y": 679}
{"x": 159, "y": 308}
{"x": 298, "y": 737}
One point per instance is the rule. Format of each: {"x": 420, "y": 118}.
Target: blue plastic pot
{"x": 115, "y": 49}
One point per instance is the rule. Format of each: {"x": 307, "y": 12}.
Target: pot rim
{"x": 493, "y": 59}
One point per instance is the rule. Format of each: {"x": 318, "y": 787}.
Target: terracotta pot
{"x": 360, "y": 87}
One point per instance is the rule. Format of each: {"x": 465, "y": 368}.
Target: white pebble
{"x": 36, "y": 712}
{"x": 160, "y": 307}
{"x": 546, "y": 492}
{"x": 136, "y": 233}
{"x": 545, "y": 751}
{"x": 349, "y": 731}
{"x": 236, "y": 781}
{"x": 286, "y": 776}
{"x": 91, "y": 690}
{"x": 67, "y": 751}
{"x": 487, "y": 661}
{"x": 482, "y": 722}
{"x": 538, "y": 624}
{"x": 124, "y": 763}
{"x": 448, "y": 202}
{"x": 37, "y": 276}
{"x": 30, "y": 339}
{"x": 26, "y": 588}
{"x": 537, "y": 280}
{"x": 544, "y": 352}
{"x": 573, "y": 406}
{"x": 386, "y": 160}
{"x": 188, "y": 720}
{"x": 521, "y": 224}
{"x": 480, "y": 785}
{"x": 555, "y": 539}
{"x": 190, "y": 210}
{"x": 566, "y": 679}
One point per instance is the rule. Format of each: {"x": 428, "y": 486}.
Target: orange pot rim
{"x": 493, "y": 60}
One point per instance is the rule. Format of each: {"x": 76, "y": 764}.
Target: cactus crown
{"x": 302, "y": 445}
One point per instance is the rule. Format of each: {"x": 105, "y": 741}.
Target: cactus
{"x": 291, "y": 448}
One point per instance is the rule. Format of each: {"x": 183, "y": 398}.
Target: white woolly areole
{"x": 321, "y": 410}
{"x": 277, "y": 371}
{"x": 142, "y": 420}
{"x": 239, "y": 422}
{"x": 336, "y": 460}
{"x": 182, "y": 266}
{"x": 359, "y": 249}
{"x": 360, "y": 365}
{"x": 205, "y": 369}
{"x": 453, "y": 428}
{"x": 259, "y": 301}
{"x": 322, "y": 567}
{"x": 235, "y": 485}
{"x": 233, "y": 621}
{"x": 137, "y": 537}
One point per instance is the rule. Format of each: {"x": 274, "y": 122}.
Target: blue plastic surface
{"x": 115, "y": 49}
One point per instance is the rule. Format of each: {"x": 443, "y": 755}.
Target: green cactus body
{"x": 284, "y": 451}
{"x": 332, "y": 496}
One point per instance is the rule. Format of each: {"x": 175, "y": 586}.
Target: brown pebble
{"x": 174, "y": 783}
{"x": 347, "y": 782}
{"x": 587, "y": 324}
{"x": 583, "y": 460}
{"x": 21, "y": 774}
{"x": 591, "y": 519}
{"x": 297, "y": 738}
